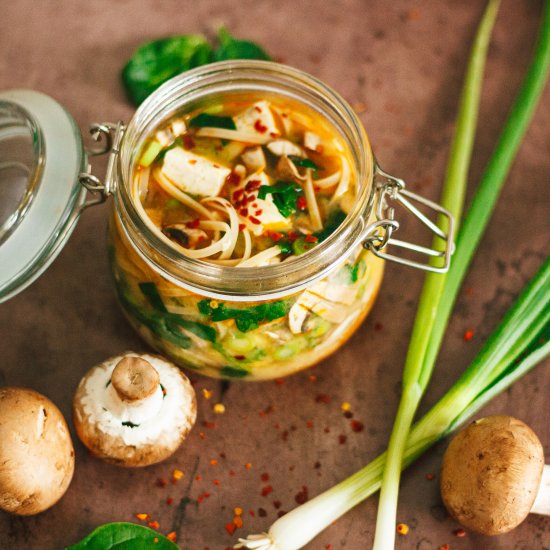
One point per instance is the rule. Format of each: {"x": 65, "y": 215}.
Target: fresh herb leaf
{"x": 124, "y": 536}
{"x": 246, "y": 319}
{"x": 232, "y": 48}
{"x": 234, "y": 372}
{"x": 304, "y": 162}
{"x": 212, "y": 121}
{"x": 155, "y": 62}
{"x": 129, "y": 424}
{"x": 150, "y": 291}
{"x": 202, "y": 331}
{"x": 333, "y": 222}
{"x": 285, "y": 194}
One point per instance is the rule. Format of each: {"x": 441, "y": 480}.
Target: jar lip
{"x": 264, "y": 282}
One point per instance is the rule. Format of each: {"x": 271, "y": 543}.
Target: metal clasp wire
{"x": 109, "y": 136}
{"x": 380, "y": 233}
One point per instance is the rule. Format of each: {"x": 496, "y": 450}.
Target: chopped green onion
{"x": 150, "y": 154}
{"x": 206, "y": 120}
{"x": 285, "y": 195}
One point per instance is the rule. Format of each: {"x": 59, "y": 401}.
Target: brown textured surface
{"x": 404, "y": 61}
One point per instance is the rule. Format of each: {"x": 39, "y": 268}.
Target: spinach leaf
{"x": 151, "y": 292}
{"x": 333, "y": 223}
{"x": 124, "y": 536}
{"x": 234, "y": 372}
{"x": 212, "y": 121}
{"x": 202, "y": 331}
{"x": 231, "y": 48}
{"x": 284, "y": 194}
{"x": 155, "y": 62}
{"x": 304, "y": 162}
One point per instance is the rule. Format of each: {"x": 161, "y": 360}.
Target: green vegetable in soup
{"x": 212, "y": 121}
{"x": 304, "y": 163}
{"x": 285, "y": 194}
{"x": 232, "y": 48}
{"x": 124, "y": 536}
{"x": 150, "y": 154}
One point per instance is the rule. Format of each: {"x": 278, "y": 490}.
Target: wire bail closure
{"x": 109, "y": 137}
{"x": 380, "y": 233}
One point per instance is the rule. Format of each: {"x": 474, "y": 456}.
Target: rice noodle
{"x": 143, "y": 183}
{"x": 261, "y": 258}
{"x": 233, "y": 224}
{"x": 344, "y": 180}
{"x": 312, "y": 205}
{"x": 329, "y": 181}
{"x": 178, "y": 194}
{"x": 236, "y": 135}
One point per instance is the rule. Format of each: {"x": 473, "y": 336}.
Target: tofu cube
{"x": 194, "y": 174}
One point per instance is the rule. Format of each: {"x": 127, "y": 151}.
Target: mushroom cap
{"x": 121, "y": 444}
{"x": 36, "y": 452}
{"x": 491, "y": 474}
{"x": 134, "y": 378}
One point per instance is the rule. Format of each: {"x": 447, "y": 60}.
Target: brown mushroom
{"x": 491, "y": 475}
{"x": 36, "y": 452}
{"x": 134, "y": 410}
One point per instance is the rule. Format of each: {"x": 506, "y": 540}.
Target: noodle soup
{"x": 249, "y": 180}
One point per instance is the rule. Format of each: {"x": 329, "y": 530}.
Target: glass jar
{"x": 258, "y": 322}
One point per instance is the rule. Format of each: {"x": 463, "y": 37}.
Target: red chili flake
{"x": 238, "y": 522}
{"x": 312, "y": 378}
{"x": 284, "y": 435}
{"x": 161, "y": 482}
{"x": 258, "y": 212}
{"x": 266, "y": 490}
{"x": 240, "y": 357}
{"x": 378, "y": 326}
{"x": 309, "y": 424}
{"x": 264, "y": 477}
{"x": 193, "y": 224}
{"x": 251, "y": 513}
{"x": 317, "y": 465}
{"x": 348, "y": 414}
{"x": 459, "y": 533}
{"x": 248, "y": 466}
{"x": 216, "y": 482}
{"x": 254, "y": 205}
{"x": 154, "y": 524}
{"x": 280, "y": 381}
{"x": 230, "y": 528}
{"x": 192, "y": 161}
{"x": 169, "y": 501}
{"x": 209, "y": 425}
{"x": 188, "y": 142}
{"x": 143, "y": 517}
{"x": 276, "y": 236}
{"x": 328, "y": 547}
{"x": 301, "y": 203}
{"x": 172, "y": 536}
{"x": 232, "y": 473}
{"x": 201, "y": 435}
{"x": 445, "y": 547}
{"x": 255, "y": 220}
{"x": 242, "y": 227}
{"x": 292, "y": 236}
{"x": 277, "y": 504}
{"x": 311, "y": 239}
{"x": 262, "y": 513}
{"x": 281, "y": 513}
{"x": 274, "y": 135}
{"x": 198, "y": 477}
{"x": 203, "y": 496}
{"x": 233, "y": 179}
{"x": 259, "y": 127}
{"x": 327, "y": 430}
{"x": 323, "y": 398}
{"x": 243, "y": 212}
{"x": 238, "y": 194}
{"x": 223, "y": 455}
{"x": 249, "y": 198}
{"x": 468, "y": 335}
{"x": 357, "y": 426}
{"x": 430, "y": 477}
{"x": 252, "y": 185}
{"x": 302, "y": 496}
{"x": 213, "y": 462}
{"x": 259, "y": 109}
{"x": 342, "y": 439}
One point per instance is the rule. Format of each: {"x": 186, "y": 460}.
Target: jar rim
{"x": 263, "y": 282}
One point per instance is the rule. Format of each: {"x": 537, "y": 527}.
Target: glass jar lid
{"x": 41, "y": 155}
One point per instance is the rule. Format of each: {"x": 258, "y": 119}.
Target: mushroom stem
{"x": 542, "y": 501}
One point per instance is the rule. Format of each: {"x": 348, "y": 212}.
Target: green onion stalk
{"x": 504, "y": 359}
{"x": 438, "y": 298}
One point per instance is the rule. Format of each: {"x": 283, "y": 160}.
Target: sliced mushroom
{"x": 134, "y": 410}
{"x": 281, "y": 147}
{"x": 254, "y": 159}
{"x": 287, "y": 170}
{"x": 311, "y": 140}
{"x": 188, "y": 237}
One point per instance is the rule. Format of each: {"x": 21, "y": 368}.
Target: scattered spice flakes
{"x": 323, "y": 398}
{"x": 262, "y": 513}
{"x": 402, "y": 529}
{"x": 430, "y": 477}
{"x": 248, "y": 466}
{"x": 357, "y": 426}
{"x": 154, "y": 524}
{"x": 143, "y": 517}
{"x": 216, "y": 482}
{"x": 238, "y": 511}
{"x": 302, "y": 496}
{"x": 345, "y": 406}
{"x": 161, "y": 482}
{"x": 177, "y": 475}
{"x": 279, "y": 381}
{"x": 264, "y": 477}
{"x": 342, "y": 439}
{"x": 230, "y": 528}
{"x": 203, "y": 496}
{"x": 317, "y": 465}
{"x": 209, "y": 425}
{"x": 445, "y": 547}
{"x": 309, "y": 424}
{"x": 198, "y": 477}
{"x": 213, "y": 462}
{"x": 218, "y": 408}
{"x": 378, "y": 326}
{"x": 268, "y": 489}
{"x": 238, "y": 522}
{"x": 251, "y": 513}
{"x": 281, "y": 513}
{"x": 468, "y": 335}
{"x": 169, "y": 501}
{"x": 207, "y": 394}
{"x": 459, "y": 533}
{"x": 172, "y": 536}
{"x": 328, "y": 547}
{"x": 277, "y": 504}
{"x": 312, "y": 378}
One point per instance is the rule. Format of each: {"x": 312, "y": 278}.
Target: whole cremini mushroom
{"x": 493, "y": 475}
{"x": 134, "y": 410}
{"x": 36, "y": 452}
